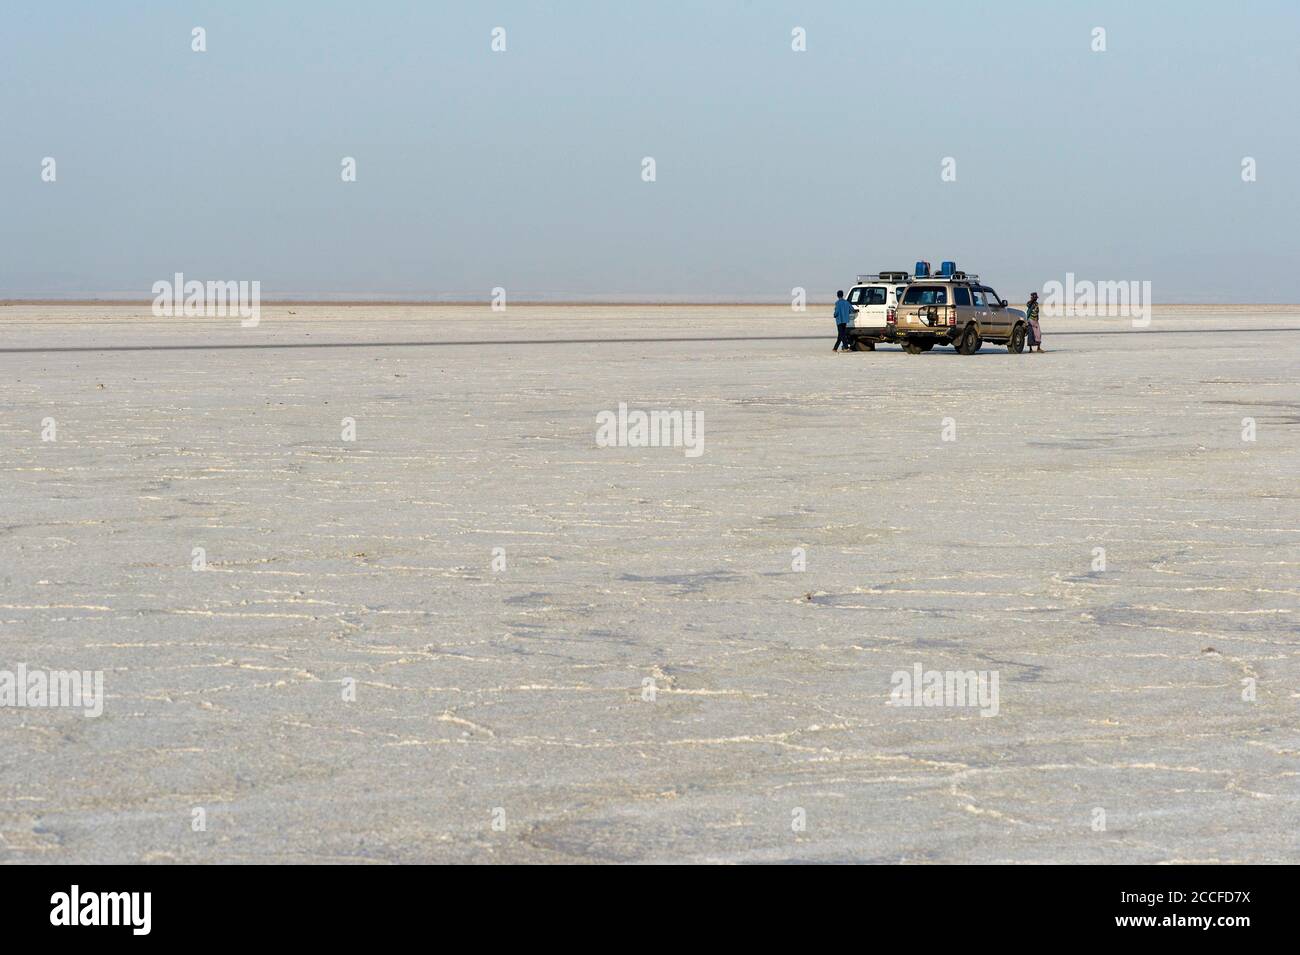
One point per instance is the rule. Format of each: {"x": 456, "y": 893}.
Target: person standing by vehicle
{"x": 843, "y": 315}
{"x": 1031, "y": 314}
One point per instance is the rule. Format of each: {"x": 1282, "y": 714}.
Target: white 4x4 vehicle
{"x": 874, "y": 299}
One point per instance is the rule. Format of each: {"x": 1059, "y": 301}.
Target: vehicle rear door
{"x": 965, "y": 305}
{"x": 871, "y": 302}
{"x": 919, "y": 302}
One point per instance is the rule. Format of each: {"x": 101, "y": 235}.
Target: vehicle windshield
{"x": 926, "y": 295}
{"x": 868, "y": 295}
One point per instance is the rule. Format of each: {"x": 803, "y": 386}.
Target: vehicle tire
{"x": 862, "y": 344}
{"x": 1016, "y": 344}
{"x": 912, "y": 348}
{"x": 970, "y": 341}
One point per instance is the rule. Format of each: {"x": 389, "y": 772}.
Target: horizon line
{"x": 589, "y": 303}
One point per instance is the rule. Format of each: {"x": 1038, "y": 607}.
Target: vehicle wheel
{"x": 970, "y": 341}
{"x": 1016, "y": 344}
{"x": 912, "y": 348}
{"x": 862, "y": 344}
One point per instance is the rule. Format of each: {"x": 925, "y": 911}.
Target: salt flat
{"x": 649, "y": 678}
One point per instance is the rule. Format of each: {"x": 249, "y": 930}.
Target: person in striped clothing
{"x": 1031, "y": 314}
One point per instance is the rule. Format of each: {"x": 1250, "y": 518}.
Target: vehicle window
{"x": 961, "y": 295}
{"x": 898, "y": 293}
{"x": 925, "y": 295}
{"x": 992, "y": 296}
{"x": 978, "y": 296}
{"x": 870, "y": 295}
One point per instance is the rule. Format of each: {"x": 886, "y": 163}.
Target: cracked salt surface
{"x": 371, "y": 561}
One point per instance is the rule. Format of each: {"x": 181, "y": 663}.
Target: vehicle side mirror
{"x": 1004, "y": 303}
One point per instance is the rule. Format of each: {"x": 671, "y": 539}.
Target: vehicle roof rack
{"x": 895, "y": 276}
{"x": 955, "y": 277}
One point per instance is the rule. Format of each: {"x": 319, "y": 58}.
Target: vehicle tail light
{"x": 891, "y": 316}
{"x": 952, "y": 318}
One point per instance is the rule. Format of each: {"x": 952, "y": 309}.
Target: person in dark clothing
{"x": 843, "y": 315}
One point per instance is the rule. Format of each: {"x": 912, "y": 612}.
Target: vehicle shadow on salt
{"x": 988, "y": 351}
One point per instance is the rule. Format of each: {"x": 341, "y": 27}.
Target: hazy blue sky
{"x": 523, "y": 169}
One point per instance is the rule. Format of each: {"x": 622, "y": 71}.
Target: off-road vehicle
{"x": 955, "y": 308}
{"x": 873, "y": 298}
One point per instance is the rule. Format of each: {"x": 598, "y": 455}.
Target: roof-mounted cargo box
{"x": 896, "y": 276}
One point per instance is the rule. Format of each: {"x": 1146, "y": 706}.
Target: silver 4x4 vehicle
{"x": 954, "y": 308}
{"x": 874, "y": 298}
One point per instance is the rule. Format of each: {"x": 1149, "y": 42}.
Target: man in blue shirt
{"x": 843, "y": 315}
